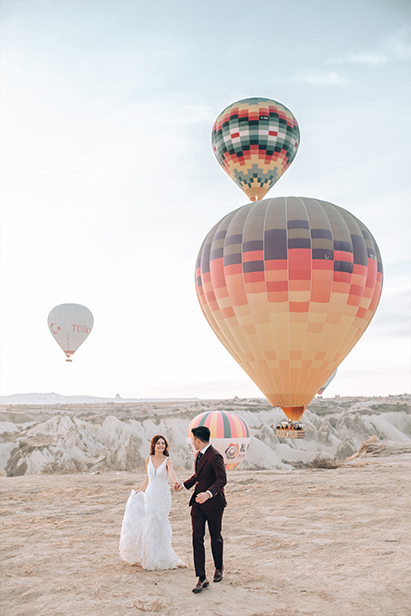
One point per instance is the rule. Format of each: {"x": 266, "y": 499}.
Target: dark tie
{"x": 199, "y": 456}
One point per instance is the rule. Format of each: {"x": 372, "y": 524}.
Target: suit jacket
{"x": 209, "y": 475}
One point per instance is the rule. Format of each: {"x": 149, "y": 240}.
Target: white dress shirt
{"x": 203, "y": 452}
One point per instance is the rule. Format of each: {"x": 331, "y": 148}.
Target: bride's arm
{"x": 171, "y": 472}
{"x": 145, "y": 484}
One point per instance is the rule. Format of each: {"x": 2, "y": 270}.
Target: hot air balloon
{"x": 289, "y": 286}
{"x": 70, "y": 325}
{"x": 255, "y": 141}
{"x": 230, "y": 434}
{"x": 327, "y": 382}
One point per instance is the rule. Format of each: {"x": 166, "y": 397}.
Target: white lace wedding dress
{"x": 146, "y": 531}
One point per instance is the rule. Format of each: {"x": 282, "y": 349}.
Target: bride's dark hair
{"x": 153, "y": 444}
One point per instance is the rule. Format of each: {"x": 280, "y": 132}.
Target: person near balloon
{"x": 146, "y": 532}
{"x": 207, "y": 504}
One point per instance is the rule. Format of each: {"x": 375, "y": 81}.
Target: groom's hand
{"x": 178, "y": 486}
{"x": 202, "y": 497}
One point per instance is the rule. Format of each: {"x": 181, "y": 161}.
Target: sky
{"x": 109, "y": 183}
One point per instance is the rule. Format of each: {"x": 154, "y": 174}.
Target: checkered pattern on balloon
{"x": 289, "y": 284}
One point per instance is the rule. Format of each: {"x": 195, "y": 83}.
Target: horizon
{"x": 191, "y": 399}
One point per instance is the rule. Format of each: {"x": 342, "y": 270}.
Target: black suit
{"x": 209, "y": 476}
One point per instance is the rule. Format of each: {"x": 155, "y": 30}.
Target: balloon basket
{"x": 290, "y": 434}
{"x": 290, "y": 430}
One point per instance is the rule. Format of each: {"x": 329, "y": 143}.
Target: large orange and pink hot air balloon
{"x": 289, "y": 285}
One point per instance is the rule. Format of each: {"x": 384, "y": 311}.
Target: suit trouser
{"x": 198, "y": 520}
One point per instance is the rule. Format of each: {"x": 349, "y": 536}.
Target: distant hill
{"x": 53, "y": 398}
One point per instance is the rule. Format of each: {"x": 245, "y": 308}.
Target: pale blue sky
{"x": 109, "y": 182}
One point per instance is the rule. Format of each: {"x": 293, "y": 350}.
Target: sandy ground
{"x": 303, "y": 542}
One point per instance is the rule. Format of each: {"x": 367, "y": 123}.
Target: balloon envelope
{"x": 327, "y": 382}
{"x": 70, "y": 325}
{"x": 230, "y": 435}
{"x": 255, "y": 140}
{"x": 289, "y": 285}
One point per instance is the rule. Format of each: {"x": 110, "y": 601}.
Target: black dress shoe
{"x": 201, "y": 585}
{"x": 218, "y": 575}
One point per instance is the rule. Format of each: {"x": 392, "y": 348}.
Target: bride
{"x": 146, "y": 531}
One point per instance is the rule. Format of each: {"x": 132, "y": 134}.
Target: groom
{"x": 207, "y": 504}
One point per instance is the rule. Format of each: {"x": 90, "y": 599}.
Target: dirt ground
{"x": 303, "y": 542}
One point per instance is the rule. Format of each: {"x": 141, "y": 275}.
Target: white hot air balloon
{"x": 327, "y": 382}
{"x": 70, "y": 325}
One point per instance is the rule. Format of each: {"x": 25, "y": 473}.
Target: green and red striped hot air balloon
{"x": 230, "y": 435}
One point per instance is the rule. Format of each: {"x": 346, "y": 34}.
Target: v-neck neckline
{"x": 156, "y": 469}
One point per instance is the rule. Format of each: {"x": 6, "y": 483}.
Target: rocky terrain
{"x": 298, "y": 542}
{"x": 53, "y": 436}
{"x": 313, "y": 527}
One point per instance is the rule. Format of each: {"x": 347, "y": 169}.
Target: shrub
{"x": 321, "y": 461}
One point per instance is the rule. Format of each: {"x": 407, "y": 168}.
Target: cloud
{"x": 396, "y": 48}
{"x": 368, "y": 58}
{"x": 391, "y": 49}
{"x": 193, "y": 114}
{"x": 321, "y": 78}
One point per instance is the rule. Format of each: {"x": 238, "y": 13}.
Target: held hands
{"x": 178, "y": 486}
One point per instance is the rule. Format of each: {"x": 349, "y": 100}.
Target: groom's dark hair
{"x": 201, "y": 432}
